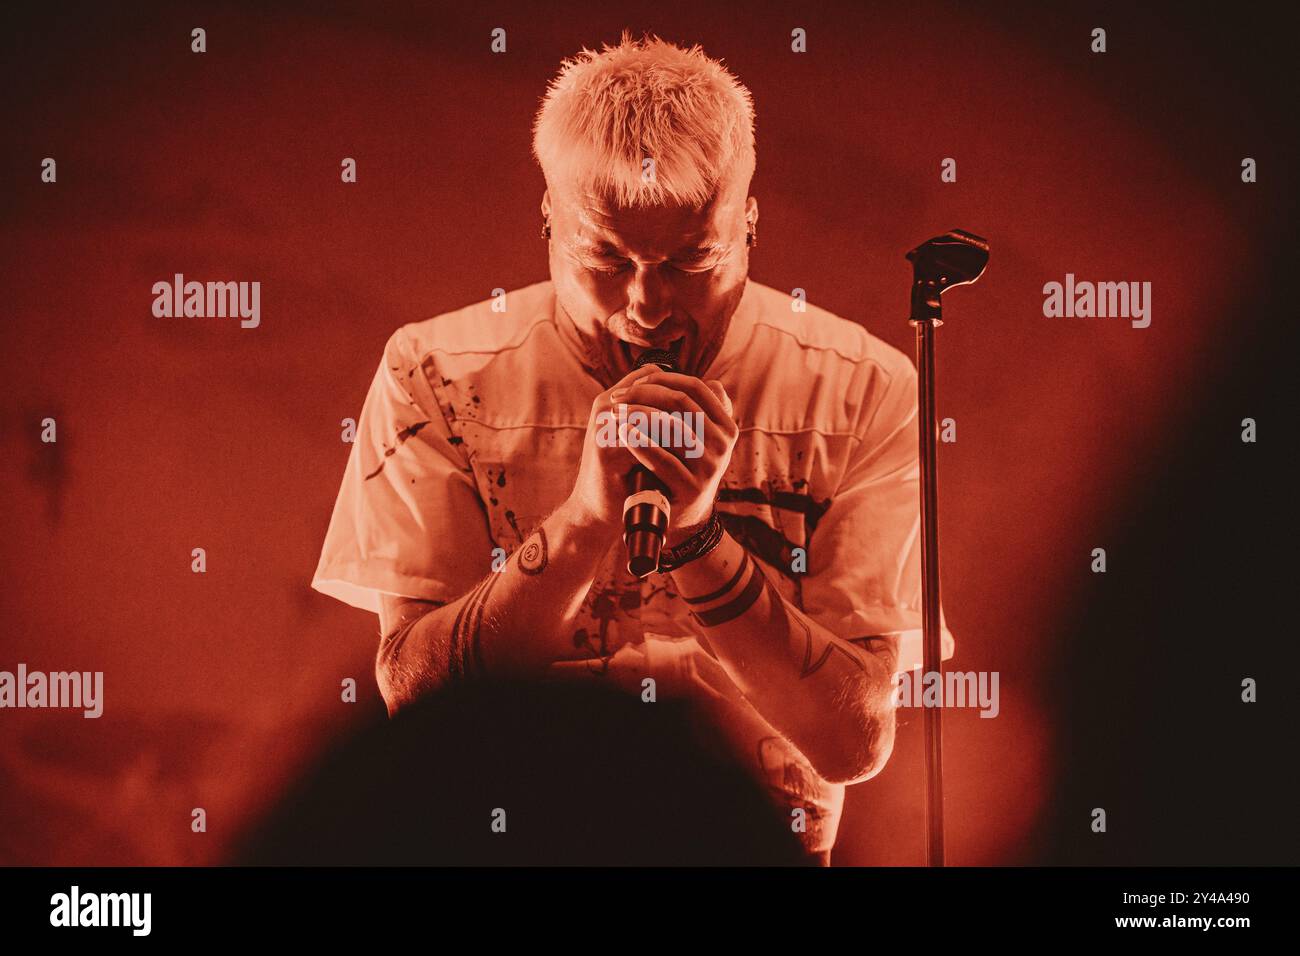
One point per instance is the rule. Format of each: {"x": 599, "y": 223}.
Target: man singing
{"x": 481, "y": 513}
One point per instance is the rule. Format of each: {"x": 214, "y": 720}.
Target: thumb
{"x": 716, "y": 387}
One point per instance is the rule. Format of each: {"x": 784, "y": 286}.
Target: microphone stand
{"x": 955, "y": 258}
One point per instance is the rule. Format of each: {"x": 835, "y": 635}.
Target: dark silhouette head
{"x": 528, "y": 774}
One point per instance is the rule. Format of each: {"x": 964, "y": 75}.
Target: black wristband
{"x": 694, "y": 547}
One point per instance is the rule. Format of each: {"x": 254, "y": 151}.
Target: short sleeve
{"x": 408, "y": 519}
{"x": 864, "y": 557}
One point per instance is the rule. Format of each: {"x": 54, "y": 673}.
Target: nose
{"x": 649, "y": 298}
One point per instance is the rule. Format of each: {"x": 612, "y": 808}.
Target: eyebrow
{"x": 604, "y": 247}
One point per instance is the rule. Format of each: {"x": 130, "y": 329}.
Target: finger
{"x": 603, "y": 399}
{"x": 635, "y": 376}
{"x": 668, "y": 401}
{"x": 661, "y": 397}
{"x": 694, "y": 387}
{"x": 716, "y": 433}
{"x": 717, "y": 388}
{"x": 675, "y": 432}
{"x": 665, "y": 466}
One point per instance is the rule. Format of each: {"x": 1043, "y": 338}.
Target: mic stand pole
{"x": 932, "y": 717}
{"x": 955, "y": 258}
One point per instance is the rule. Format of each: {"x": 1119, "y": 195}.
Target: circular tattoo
{"x": 532, "y": 556}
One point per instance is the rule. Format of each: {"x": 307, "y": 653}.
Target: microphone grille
{"x": 664, "y": 358}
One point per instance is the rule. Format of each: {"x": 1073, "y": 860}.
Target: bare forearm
{"x": 829, "y": 695}
{"x": 510, "y": 624}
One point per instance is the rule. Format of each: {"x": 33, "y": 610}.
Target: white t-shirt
{"x": 471, "y": 435}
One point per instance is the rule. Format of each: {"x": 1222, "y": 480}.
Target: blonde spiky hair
{"x": 604, "y": 113}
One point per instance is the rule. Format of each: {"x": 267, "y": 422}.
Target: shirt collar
{"x": 739, "y": 332}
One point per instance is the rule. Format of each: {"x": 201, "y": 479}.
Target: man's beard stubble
{"x": 611, "y": 358}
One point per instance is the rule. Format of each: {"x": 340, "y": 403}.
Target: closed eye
{"x": 695, "y": 266}
{"x": 610, "y": 268}
{"x": 698, "y": 260}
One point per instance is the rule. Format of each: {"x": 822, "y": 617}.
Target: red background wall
{"x": 183, "y": 433}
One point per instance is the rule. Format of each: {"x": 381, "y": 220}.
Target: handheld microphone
{"x": 646, "y": 510}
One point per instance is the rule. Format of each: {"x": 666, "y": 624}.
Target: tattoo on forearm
{"x": 831, "y": 646}
{"x": 532, "y": 556}
{"x": 464, "y": 653}
{"x": 809, "y": 666}
{"x": 476, "y": 628}
{"x": 758, "y": 584}
{"x": 726, "y": 588}
{"x": 454, "y": 653}
{"x": 395, "y": 640}
{"x": 737, "y": 605}
{"x": 464, "y": 649}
